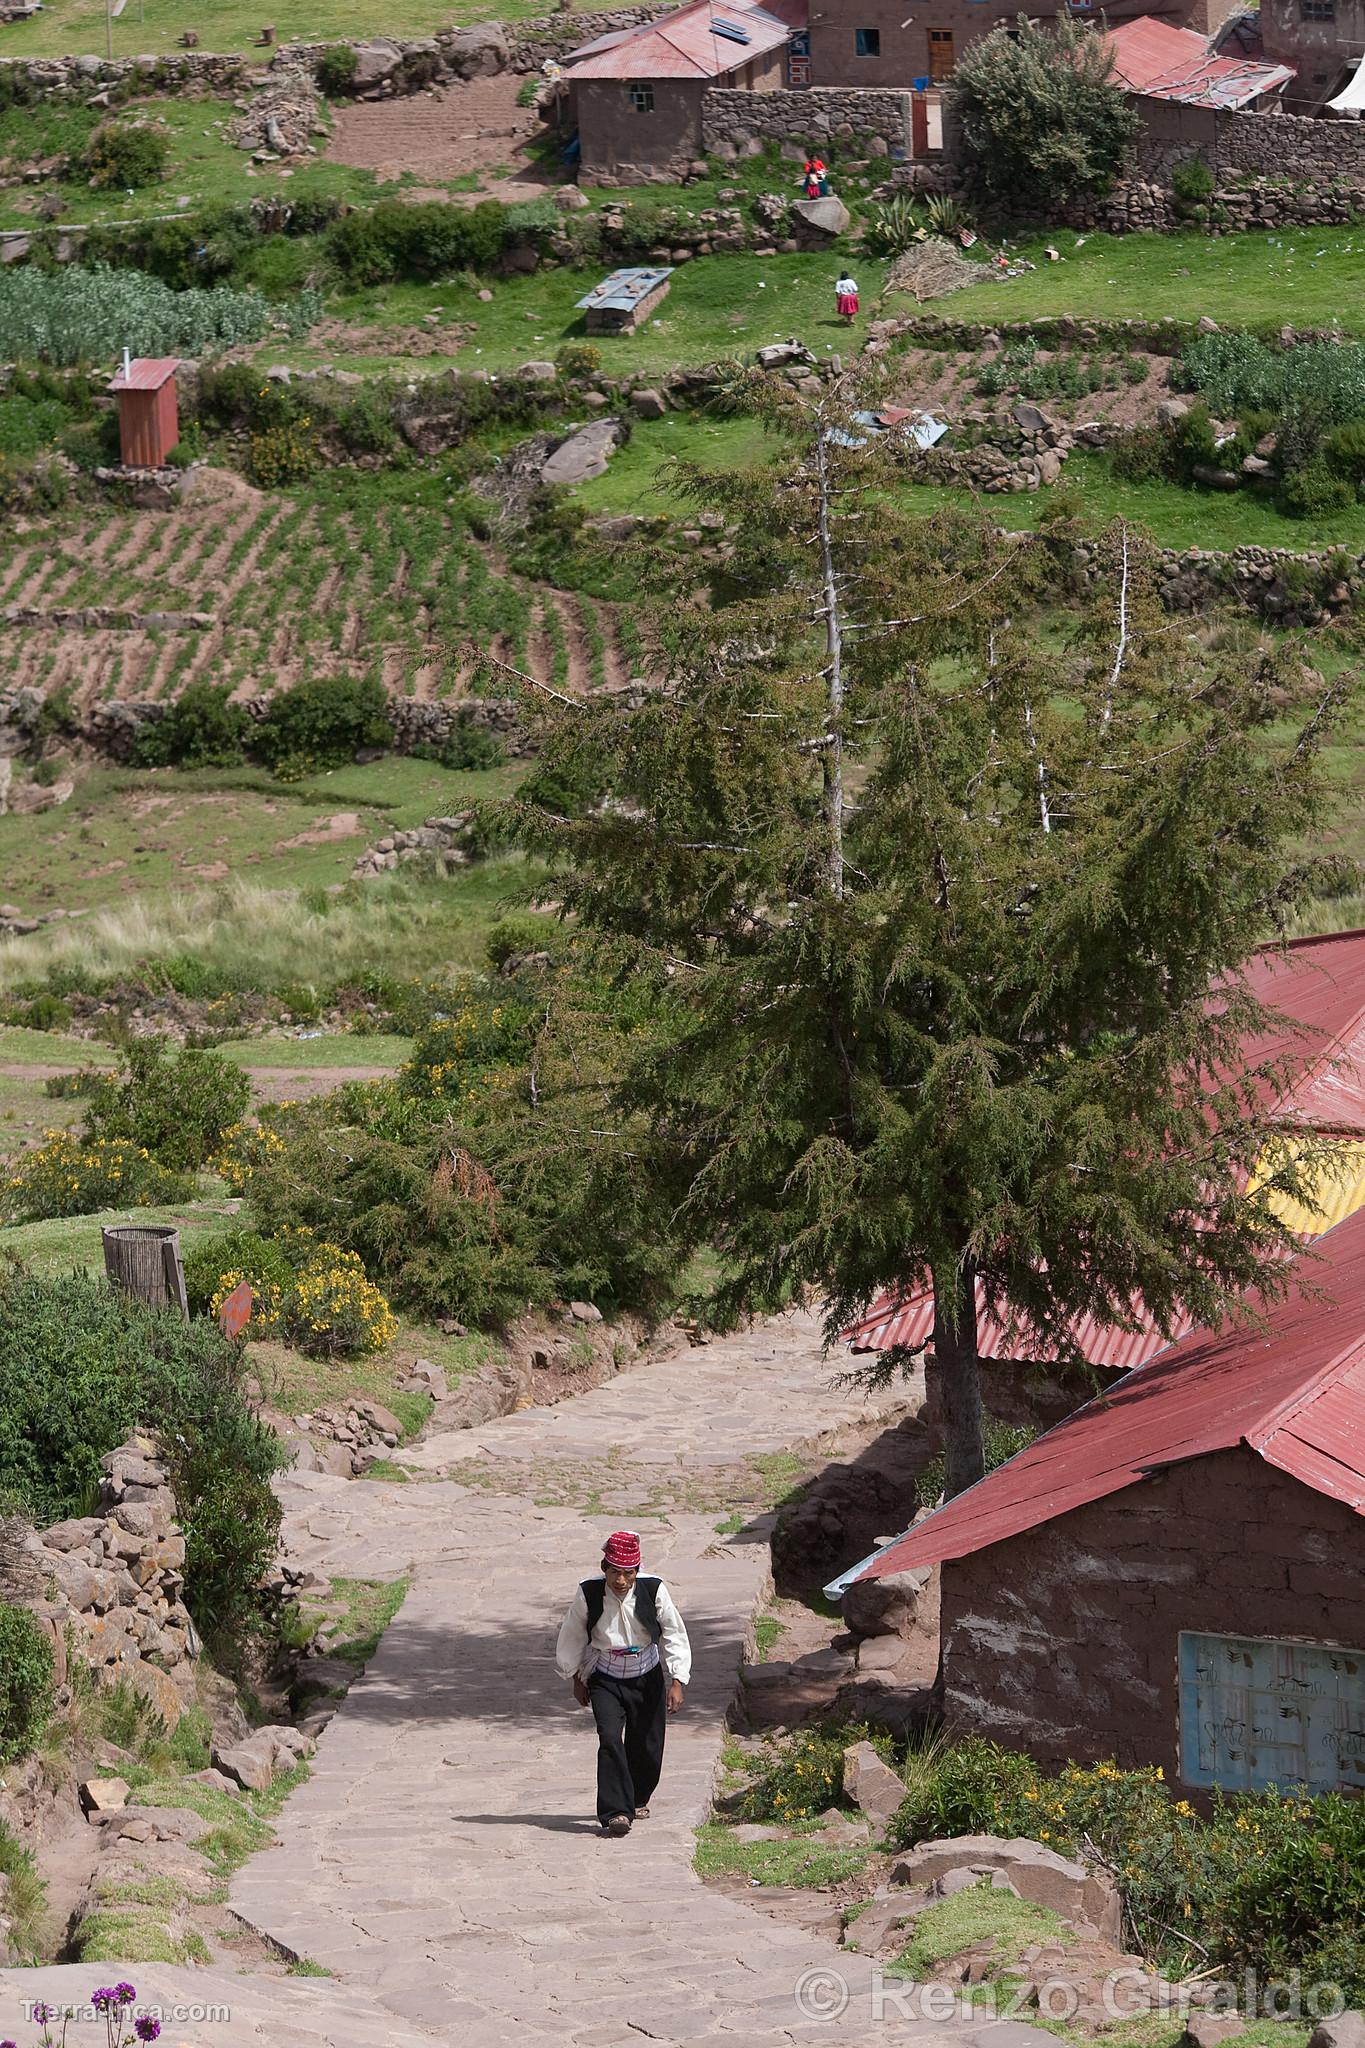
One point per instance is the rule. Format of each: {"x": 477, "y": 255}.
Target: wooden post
{"x": 144, "y": 1259}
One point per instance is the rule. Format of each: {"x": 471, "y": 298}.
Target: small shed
{"x": 623, "y": 300}
{"x": 148, "y": 415}
{"x": 1175, "y": 1574}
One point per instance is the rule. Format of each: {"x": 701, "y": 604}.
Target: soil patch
{"x": 443, "y": 134}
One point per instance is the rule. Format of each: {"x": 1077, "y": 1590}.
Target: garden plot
{"x": 329, "y": 582}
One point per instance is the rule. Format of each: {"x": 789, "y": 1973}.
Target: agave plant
{"x": 894, "y": 225}
{"x": 945, "y": 213}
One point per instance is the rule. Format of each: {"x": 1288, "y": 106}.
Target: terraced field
{"x": 324, "y": 582}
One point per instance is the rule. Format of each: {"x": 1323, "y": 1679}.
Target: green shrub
{"x": 121, "y": 155}
{"x": 203, "y": 728}
{"x": 263, "y": 1261}
{"x": 1000, "y": 1440}
{"x": 1041, "y": 115}
{"x": 25, "y": 1681}
{"x": 336, "y": 69}
{"x": 977, "y": 1788}
{"x": 528, "y": 92}
{"x": 321, "y": 722}
{"x": 520, "y": 932}
{"x": 66, "y": 1177}
{"x": 1312, "y": 491}
{"x": 424, "y": 241}
{"x": 1193, "y": 185}
{"x": 471, "y": 746}
{"x": 1343, "y": 451}
{"x": 281, "y": 455}
{"x": 578, "y": 360}
{"x": 82, "y": 1365}
{"x": 804, "y": 1775}
{"x": 365, "y": 426}
{"x": 176, "y": 1102}
{"x": 25, "y": 1891}
{"x": 46, "y": 1012}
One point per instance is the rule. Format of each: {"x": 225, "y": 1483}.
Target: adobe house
{"x": 1323, "y": 40}
{"x": 1175, "y": 1575}
{"x": 636, "y": 94}
{"x": 1319, "y": 983}
{"x": 1181, "y": 85}
{"x": 876, "y": 42}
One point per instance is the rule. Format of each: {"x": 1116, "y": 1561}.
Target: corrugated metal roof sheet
{"x": 1294, "y": 1392}
{"x": 624, "y": 289}
{"x": 146, "y": 373}
{"x": 1318, "y": 987}
{"x": 1163, "y": 62}
{"x": 682, "y": 45}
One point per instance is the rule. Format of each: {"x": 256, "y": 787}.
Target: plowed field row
{"x": 293, "y": 589}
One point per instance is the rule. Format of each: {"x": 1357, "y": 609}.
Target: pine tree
{"x": 940, "y": 894}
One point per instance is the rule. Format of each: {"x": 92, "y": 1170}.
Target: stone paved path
{"x": 442, "y": 1860}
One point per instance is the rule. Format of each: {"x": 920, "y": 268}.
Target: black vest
{"x": 646, "y": 1609}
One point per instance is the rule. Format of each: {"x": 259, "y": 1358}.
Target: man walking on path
{"x": 609, "y": 1645}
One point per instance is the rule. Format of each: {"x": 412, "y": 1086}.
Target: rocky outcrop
{"x": 440, "y": 845}
{"x": 112, "y": 1584}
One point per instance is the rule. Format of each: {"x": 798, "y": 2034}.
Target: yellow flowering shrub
{"x": 244, "y": 1148}
{"x": 67, "y": 1177}
{"x": 324, "y": 1306}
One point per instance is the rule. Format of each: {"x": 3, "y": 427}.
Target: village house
{"x": 1175, "y": 1575}
{"x": 1181, "y": 84}
{"x": 635, "y": 95}
{"x": 877, "y": 43}
{"x": 1319, "y": 984}
{"x": 1324, "y": 42}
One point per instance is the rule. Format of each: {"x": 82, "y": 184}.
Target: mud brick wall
{"x": 735, "y": 123}
{"x": 1064, "y": 1641}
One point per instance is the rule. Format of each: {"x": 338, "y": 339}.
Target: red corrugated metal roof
{"x": 909, "y": 1320}
{"x": 146, "y": 373}
{"x": 1293, "y": 1391}
{"x": 1318, "y": 986}
{"x": 682, "y": 45}
{"x": 1163, "y": 62}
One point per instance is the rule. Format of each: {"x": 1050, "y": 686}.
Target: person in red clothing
{"x": 846, "y": 299}
{"x": 609, "y": 1645}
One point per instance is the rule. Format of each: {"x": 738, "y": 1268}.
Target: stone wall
{"x": 186, "y": 71}
{"x": 1064, "y": 1640}
{"x": 736, "y": 124}
{"x": 113, "y": 1581}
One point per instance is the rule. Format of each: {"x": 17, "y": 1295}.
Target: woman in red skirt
{"x": 846, "y": 299}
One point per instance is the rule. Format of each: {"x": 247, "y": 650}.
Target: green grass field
{"x": 153, "y": 830}
{"x": 205, "y": 167}
{"x": 1311, "y": 277}
{"x": 634, "y": 482}
{"x": 1175, "y": 515}
{"x": 717, "y": 306}
{"x": 152, "y": 27}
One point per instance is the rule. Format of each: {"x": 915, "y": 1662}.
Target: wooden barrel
{"x": 144, "y": 1259}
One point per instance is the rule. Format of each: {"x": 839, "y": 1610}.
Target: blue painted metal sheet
{"x": 1256, "y": 1712}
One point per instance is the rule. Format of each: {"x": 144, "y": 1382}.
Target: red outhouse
{"x": 148, "y": 419}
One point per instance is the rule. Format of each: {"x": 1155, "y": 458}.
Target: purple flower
{"x": 11, "y": 2044}
{"x": 44, "y": 2012}
{"x": 102, "y": 1999}
{"x": 145, "y": 2027}
{"x": 125, "y": 1993}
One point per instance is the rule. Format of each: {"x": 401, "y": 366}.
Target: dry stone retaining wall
{"x": 114, "y": 1581}
{"x": 736, "y": 124}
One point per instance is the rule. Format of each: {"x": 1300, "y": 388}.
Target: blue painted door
{"x": 1256, "y": 1713}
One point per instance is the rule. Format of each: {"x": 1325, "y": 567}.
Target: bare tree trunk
{"x": 144, "y": 1260}
{"x": 959, "y": 1376}
{"x": 833, "y": 756}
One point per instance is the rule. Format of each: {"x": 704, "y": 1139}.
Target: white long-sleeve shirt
{"x": 621, "y": 1629}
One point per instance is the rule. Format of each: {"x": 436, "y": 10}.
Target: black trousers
{"x": 631, "y": 1716}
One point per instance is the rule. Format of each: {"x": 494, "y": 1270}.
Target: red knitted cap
{"x": 623, "y": 1551}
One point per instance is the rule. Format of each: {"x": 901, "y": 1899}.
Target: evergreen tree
{"x": 940, "y": 902}
{"x": 1041, "y": 117}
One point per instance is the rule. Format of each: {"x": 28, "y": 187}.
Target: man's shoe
{"x": 642, "y": 1813}
{"x": 619, "y": 1824}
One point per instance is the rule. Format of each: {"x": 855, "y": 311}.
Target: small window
{"x": 1318, "y": 10}
{"x": 867, "y": 42}
{"x": 642, "y": 99}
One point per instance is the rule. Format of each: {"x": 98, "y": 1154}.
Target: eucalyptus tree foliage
{"x": 938, "y": 890}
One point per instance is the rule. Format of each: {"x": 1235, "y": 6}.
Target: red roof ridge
{"x": 1282, "y": 1414}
